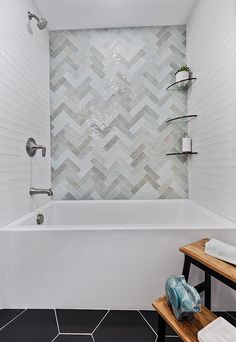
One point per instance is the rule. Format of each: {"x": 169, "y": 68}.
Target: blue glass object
{"x": 183, "y": 298}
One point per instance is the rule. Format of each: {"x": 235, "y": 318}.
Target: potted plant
{"x": 182, "y": 74}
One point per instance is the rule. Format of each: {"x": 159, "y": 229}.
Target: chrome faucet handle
{"x": 43, "y": 148}
{"x": 50, "y": 192}
{"x": 32, "y": 147}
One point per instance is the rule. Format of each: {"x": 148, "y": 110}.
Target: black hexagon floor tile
{"x": 232, "y": 314}
{"x": 79, "y": 321}
{"x": 73, "y": 338}
{"x": 8, "y": 315}
{"x": 152, "y": 318}
{"x": 31, "y": 326}
{"x": 125, "y": 326}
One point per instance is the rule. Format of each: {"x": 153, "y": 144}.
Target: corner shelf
{"x": 180, "y": 153}
{"x": 182, "y": 85}
{"x": 185, "y": 118}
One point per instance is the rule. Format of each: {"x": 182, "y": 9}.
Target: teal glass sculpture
{"x": 183, "y": 298}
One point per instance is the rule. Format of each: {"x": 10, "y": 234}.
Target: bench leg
{"x": 207, "y": 291}
{"x": 161, "y": 329}
{"x": 186, "y": 268}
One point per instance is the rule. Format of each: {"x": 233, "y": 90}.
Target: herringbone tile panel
{"x": 109, "y": 108}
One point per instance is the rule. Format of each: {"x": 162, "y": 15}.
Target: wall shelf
{"x": 182, "y": 85}
{"x": 185, "y": 118}
{"x": 180, "y": 153}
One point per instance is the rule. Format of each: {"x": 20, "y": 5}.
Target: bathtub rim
{"x": 17, "y": 225}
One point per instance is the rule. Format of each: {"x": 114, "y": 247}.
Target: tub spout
{"x": 34, "y": 191}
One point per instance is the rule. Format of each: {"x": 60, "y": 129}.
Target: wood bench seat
{"x": 186, "y": 330}
{"x": 194, "y": 253}
{"x": 196, "y": 250}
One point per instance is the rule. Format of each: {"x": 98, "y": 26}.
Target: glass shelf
{"x": 185, "y": 118}
{"x": 180, "y": 153}
{"x": 182, "y": 85}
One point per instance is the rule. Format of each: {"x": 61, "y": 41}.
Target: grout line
{"x": 12, "y": 320}
{"x": 58, "y": 327}
{"x": 55, "y": 337}
{"x": 147, "y": 322}
{"x": 94, "y": 339}
{"x": 100, "y": 322}
{"x": 77, "y": 334}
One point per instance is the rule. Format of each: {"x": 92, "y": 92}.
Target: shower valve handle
{"x": 32, "y": 147}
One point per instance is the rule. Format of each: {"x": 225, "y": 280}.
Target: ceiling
{"x": 83, "y": 14}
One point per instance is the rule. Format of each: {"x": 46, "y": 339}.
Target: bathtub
{"x": 104, "y": 254}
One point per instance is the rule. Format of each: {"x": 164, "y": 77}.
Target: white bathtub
{"x": 104, "y": 254}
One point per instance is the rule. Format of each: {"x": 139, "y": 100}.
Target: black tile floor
{"x": 84, "y": 326}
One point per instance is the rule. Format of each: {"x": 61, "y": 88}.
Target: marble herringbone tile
{"x": 109, "y": 109}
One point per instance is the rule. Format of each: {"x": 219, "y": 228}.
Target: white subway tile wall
{"x": 24, "y": 109}
{"x": 211, "y": 54}
{"x": 24, "y": 112}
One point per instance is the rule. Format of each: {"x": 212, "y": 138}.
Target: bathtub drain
{"x": 40, "y": 219}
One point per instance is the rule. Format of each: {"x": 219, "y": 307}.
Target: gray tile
{"x": 108, "y": 113}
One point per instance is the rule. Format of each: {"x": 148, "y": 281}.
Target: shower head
{"x": 41, "y": 22}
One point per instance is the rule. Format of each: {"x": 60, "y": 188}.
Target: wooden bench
{"x": 186, "y": 330}
{"x": 221, "y": 270}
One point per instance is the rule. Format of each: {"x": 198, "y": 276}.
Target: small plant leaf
{"x": 184, "y": 68}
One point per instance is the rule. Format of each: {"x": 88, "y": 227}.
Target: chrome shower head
{"x": 41, "y": 22}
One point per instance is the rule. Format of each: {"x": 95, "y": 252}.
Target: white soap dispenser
{"x": 186, "y": 144}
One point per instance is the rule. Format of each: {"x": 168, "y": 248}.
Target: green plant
{"x": 184, "y": 68}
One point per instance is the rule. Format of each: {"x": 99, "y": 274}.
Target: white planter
{"x": 182, "y": 75}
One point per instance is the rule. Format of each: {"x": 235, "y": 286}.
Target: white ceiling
{"x": 82, "y": 14}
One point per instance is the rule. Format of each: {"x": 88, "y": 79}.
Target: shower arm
{"x": 41, "y": 22}
{"x": 31, "y": 15}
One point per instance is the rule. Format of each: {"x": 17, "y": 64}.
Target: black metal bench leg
{"x": 186, "y": 268}
{"x": 161, "y": 329}
{"x": 207, "y": 291}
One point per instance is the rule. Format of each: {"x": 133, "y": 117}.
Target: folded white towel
{"x": 218, "y": 331}
{"x": 221, "y": 250}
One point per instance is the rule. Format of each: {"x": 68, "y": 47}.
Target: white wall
{"x": 90, "y": 14}
{"x": 211, "y": 54}
{"x": 24, "y": 108}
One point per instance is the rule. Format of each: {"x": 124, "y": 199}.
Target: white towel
{"x": 218, "y": 331}
{"x": 221, "y": 250}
